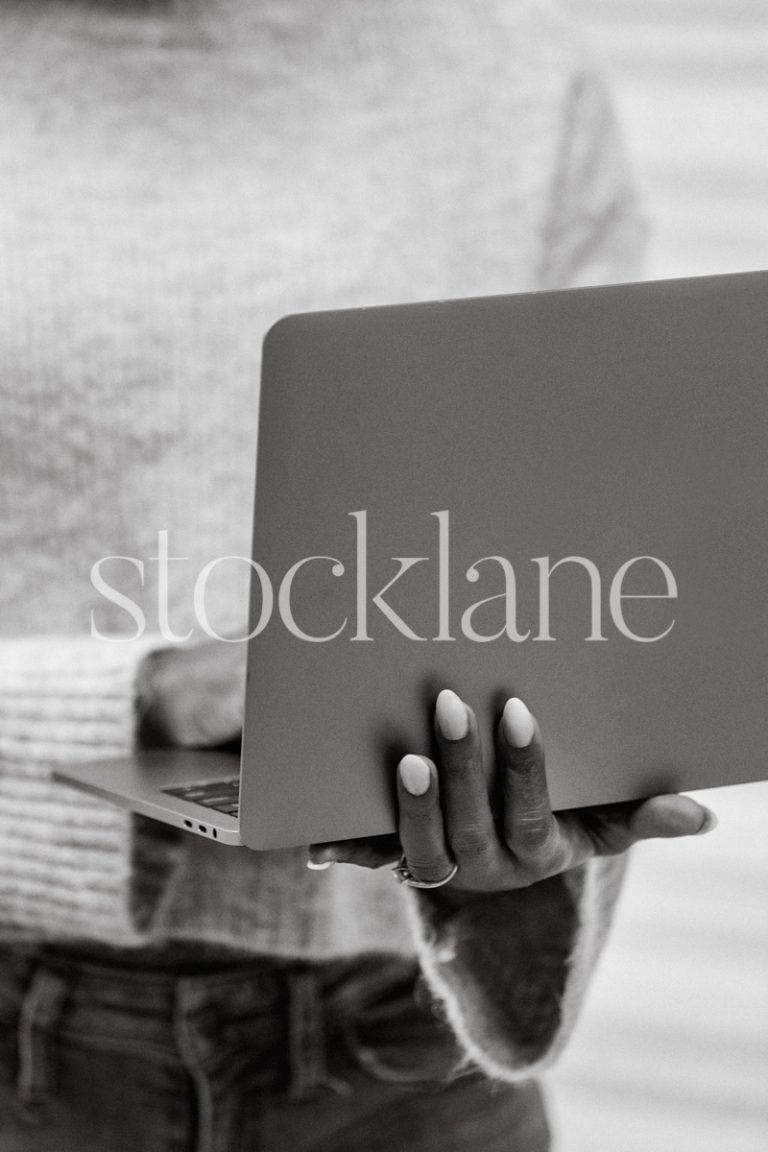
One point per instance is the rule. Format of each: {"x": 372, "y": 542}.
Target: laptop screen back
{"x": 562, "y": 496}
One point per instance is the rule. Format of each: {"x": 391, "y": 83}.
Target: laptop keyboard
{"x": 221, "y": 795}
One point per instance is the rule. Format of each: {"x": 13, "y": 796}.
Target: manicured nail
{"x": 517, "y": 723}
{"x": 415, "y": 774}
{"x": 322, "y": 858}
{"x": 451, "y": 715}
{"x": 708, "y": 824}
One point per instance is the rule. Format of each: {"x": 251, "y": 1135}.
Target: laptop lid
{"x": 559, "y": 495}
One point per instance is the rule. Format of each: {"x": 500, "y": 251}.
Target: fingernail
{"x": 708, "y": 824}
{"x": 322, "y": 858}
{"x": 517, "y": 723}
{"x": 415, "y": 774}
{"x": 451, "y": 715}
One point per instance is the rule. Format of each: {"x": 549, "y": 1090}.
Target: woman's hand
{"x": 192, "y": 696}
{"x": 446, "y": 816}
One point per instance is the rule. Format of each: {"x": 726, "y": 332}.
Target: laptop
{"x": 557, "y": 495}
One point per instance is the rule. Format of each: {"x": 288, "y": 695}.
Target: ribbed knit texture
{"x": 66, "y": 864}
{"x": 175, "y": 178}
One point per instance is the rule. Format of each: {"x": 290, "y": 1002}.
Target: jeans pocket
{"x": 404, "y": 1044}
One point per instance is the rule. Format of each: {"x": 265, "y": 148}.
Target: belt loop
{"x": 203, "y": 1090}
{"x": 41, "y": 1012}
{"x": 305, "y": 1035}
{"x": 307, "y": 1039}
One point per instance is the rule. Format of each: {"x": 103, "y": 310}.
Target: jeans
{"x": 260, "y": 1056}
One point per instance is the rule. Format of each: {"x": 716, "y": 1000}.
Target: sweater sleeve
{"x": 512, "y": 969}
{"x": 72, "y": 865}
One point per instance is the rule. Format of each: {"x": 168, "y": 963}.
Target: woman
{"x": 177, "y": 176}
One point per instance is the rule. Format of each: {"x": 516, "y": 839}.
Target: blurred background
{"x": 671, "y": 1053}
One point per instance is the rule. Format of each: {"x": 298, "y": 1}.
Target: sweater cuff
{"x": 72, "y": 865}
{"x": 512, "y": 968}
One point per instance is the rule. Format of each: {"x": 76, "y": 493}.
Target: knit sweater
{"x": 176, "y": 177}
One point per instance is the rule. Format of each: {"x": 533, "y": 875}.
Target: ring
{"x": 403, "y": 876}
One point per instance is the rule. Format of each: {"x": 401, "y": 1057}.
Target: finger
{"x": 371, "y": 852}
{"x": 469, "y": 827}
{"x": 669, "y": 817}
{"x": 530, "y": 830}
{"x": 422, "y": 833}
{"x": 614, "y": 828}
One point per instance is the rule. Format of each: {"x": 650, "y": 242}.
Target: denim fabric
{"x": 263, "y": 1056}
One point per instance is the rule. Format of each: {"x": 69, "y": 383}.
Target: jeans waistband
{"x": 283, "y": 1009}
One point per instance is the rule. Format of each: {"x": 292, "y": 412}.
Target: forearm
{"x": 512, "y": 968}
